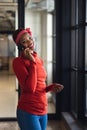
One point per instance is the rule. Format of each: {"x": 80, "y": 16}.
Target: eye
{"x": 23, "y": 42}
{"x": 30, "y": 38}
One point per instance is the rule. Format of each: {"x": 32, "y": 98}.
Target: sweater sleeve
{"x": 27, "y": 77}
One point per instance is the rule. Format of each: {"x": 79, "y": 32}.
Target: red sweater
{"x": 31, "y": 76}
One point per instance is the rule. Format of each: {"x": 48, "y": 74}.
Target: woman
{"x": 30, "y": 72}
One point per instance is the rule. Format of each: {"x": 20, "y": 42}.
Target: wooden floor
{"x": 52, "y": 125}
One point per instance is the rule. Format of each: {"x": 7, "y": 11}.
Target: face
{"x": 27, "y": 41}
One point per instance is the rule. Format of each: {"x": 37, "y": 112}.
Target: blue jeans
{"x": 29, "y": 121}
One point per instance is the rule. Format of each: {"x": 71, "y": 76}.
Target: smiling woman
{"x": 31, "y": 74}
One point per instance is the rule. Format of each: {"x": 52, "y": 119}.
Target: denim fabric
{"x": 29, "y": 121}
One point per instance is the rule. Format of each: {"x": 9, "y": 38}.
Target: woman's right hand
{"x": 28, "y": 54}
{"x": 58, "y": 87}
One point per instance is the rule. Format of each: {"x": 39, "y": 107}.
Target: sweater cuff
{"x": 49, "y": 88}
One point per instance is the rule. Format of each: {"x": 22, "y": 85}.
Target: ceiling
{"x": 41, "y": 5}
{"x": 32, "y": 4}
{"x": 8, "y": 7}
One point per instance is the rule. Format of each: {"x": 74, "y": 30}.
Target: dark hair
{"x": 16, "y": 32}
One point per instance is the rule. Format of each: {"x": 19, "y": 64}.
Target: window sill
{"x": 71, "y": 123}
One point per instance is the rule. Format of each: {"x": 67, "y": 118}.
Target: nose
{"x": 28, "y": 42}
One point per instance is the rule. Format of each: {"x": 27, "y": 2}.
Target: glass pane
{"x": 86, "y": 94}
{"x": 86, "y": 70}
{"x": 49, "y": 25}
{"x": 86, "y": 65}
{"x": 74, "y": 92}
{"x": 73, "y": 52}
{"x": 74, "y": 56}
{"x": 8, "y": 90}
{"x": 50, "y": 95}
{"x": 86, "y": 48}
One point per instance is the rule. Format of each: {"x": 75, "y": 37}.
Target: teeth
{"x": 31, "y": 45}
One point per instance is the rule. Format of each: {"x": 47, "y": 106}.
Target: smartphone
{"x": 21, "y": 47}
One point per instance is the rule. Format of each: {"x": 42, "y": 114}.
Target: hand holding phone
{"x": 28, "y": 54}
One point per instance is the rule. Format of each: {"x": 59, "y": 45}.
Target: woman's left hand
{"x": 57, "y": 88}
